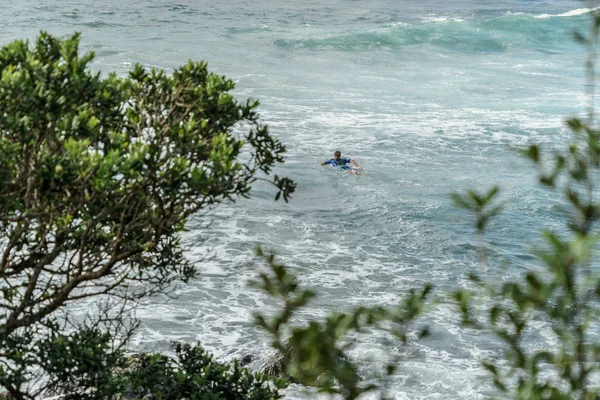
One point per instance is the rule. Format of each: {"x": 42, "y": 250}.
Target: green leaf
{"x": 580, "y": 38}
{"x": 532, "y": 152}
{"x": 575, "y": 124}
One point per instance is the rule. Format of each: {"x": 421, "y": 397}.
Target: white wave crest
{"x": 571, "y": 13}
{"x": 442, "y": 19}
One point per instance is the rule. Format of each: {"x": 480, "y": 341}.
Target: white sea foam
{"x": 399, "y": 24}
{"x": 571, "y": 13}
{"x": 443, "y": 19}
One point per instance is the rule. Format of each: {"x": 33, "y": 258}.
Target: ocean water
{"x": 429, "y": 97}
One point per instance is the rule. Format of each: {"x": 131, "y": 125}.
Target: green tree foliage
{"x": 79, "y": 364}
{"x": 195, "y": 375}
{"x": 98, "y": 176}
{"x": 565, "y": 292}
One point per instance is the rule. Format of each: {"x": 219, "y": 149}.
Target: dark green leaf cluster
{"x": 81, "y": 364}
{"x": 194, "y": 375}
{"x": 84, "y": 366}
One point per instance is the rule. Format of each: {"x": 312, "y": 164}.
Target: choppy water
{"x": 427, "y": 97}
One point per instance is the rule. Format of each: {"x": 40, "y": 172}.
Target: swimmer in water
{"x": 338, "y": 161}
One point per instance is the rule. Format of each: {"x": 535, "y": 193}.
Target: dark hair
{"x": 337, "y": 153}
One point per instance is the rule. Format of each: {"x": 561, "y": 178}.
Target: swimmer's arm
{"x": 323, "y": 162}
{"x": 354, "y": 163}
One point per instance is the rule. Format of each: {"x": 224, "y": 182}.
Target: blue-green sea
{"x": 429, "y": 97}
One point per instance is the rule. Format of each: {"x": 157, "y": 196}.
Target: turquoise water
{"x": 428, "y": 98}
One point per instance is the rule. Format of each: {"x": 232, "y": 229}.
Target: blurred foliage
{"x": 315, "y": 352}
{"x": 565, "y": 293}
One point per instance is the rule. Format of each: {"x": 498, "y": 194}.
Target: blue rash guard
{"x": 339, "y": 162}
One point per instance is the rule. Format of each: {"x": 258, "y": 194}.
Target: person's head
{"x": 337, "y": 154}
